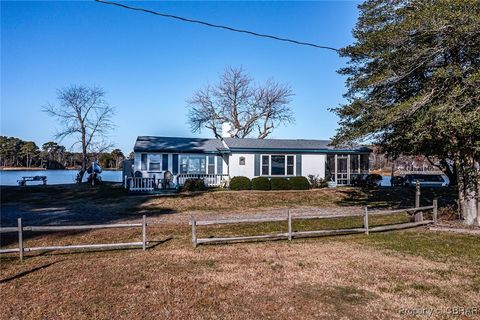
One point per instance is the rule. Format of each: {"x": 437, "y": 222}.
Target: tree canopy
{"x": 413, "y": 78}
{"x": 235, "y": 100}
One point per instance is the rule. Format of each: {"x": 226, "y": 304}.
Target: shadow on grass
{"x": 82, "y": 204}
{"x": 386, "y": 197}
{"x": 27, "y": 272}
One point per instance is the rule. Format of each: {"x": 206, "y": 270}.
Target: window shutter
{"x": 299, "y": 164}
{"x": 257, "y": 166}
{"x": 164, "y": 162}
{"x": 175, "y": 164}
{"x": 219, "y": 165}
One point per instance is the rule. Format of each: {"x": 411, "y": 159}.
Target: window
{"x": 330, "y": 167}
{"x": 265, "y": 165}
{"x": 364, "y": 162}
{"x": 183, "y": 164}
{"x": 278, "y": 165}
{"x": 290, "y": 166}
{"x": 241, "y": 161}
{"x": 143, "y": 162}
{"x": 193, "y": 164}
{"x": 211, "y": 164}
{"x": 154, "y": 164}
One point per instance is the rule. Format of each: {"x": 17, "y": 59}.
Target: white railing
{"x": 141, "y": 184}
{"x": 211, "y": 180}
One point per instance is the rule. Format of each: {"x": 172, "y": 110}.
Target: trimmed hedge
{"x": 240, "y": 183}
{"x": 261, "y": 183}
{"x": 279, "y": 183}
{"x": 194, "y": 185}
{"x": 299, "y": 183}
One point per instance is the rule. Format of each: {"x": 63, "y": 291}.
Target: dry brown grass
{"x": 349, "y": 277}
{"x": 238, "y": 200}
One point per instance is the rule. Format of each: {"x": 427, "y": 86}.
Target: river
{"x": 10, "y": 177}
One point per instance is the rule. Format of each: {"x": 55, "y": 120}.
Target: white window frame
{"x": 188, "y": 162}
{"x": 270, "y": 165}
{"x": 214, "y": 164}
{"x": 150, "y": 162}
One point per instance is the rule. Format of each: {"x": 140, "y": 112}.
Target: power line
{"x": 166, "y": 15}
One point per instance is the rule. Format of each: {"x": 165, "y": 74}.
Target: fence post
{"x": 144, "y": 233}
{"x": 20, "y": 238}
{"x": 417, "y": 194}
{"x": 289, "y": 225}
{"x": 435, "y": 210}
{"x": 365, "y": 220}
{"x": 418, "y": 216}
{"x": 194, "y": 232}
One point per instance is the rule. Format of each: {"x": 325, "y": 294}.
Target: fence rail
{"x": 21, "y": 249}
{"x": 290, "y": 234}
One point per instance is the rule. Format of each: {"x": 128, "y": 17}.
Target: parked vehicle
{"x": 425, "y": 180}
{"x": 397, "y": 181}
{"x": 359, "y": 180}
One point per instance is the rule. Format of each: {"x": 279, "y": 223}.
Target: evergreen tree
{"x": 414, "y": 85}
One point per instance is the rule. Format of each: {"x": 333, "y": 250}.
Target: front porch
{"x": 140, "y": 184}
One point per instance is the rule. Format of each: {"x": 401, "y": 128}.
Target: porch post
{"x": 336, "y": 168}
{"x": 348, "y": 169}
{"x": 359, "y": 165}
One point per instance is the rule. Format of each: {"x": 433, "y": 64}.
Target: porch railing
{"x": 211, "y": 180}
{"x": 150, "y": 184}
{"x": 140, "y": 184}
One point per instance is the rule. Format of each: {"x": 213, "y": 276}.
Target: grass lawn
{"x": 112, "y": 198}
{"x": 341, "y": 277}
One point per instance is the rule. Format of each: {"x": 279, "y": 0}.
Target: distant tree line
{"x": 15, "y": 152}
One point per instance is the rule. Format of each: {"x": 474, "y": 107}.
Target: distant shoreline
{"x": 21, "y": 169}
{"x": 43, "y": 169}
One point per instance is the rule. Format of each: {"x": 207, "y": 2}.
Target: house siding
{"x": 247, "y": 170}
{"x": 313, "y": 164}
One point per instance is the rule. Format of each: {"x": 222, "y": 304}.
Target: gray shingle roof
{"x": 175, "y": 144}
{"x": 249, "y": 143}
{"x": 203, "y": 145}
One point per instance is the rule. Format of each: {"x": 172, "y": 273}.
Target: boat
{"x": 94, "y": 173}
{"x": 94, "y": 168}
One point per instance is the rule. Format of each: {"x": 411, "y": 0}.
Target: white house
{"x": 218, "y": 160}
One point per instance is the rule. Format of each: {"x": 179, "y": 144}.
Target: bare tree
{"x": 85, "y": 115}
{"x": 246, "y": 107}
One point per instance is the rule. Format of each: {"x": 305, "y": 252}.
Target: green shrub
{"x": 240, "y": 183}
{"x": 317, "y": 182}
{"x": 374, "y": 180}
{"x": 194, "y": 185}
{"x": 261, "y": 183}
{"x": 279, "y": 183}
{"x": 299, "y": 183}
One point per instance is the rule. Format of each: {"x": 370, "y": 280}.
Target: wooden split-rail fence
{"x": 290, "y": 234}
{"x": 21, "y": 249}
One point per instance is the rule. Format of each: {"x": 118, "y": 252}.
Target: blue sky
{"x": 149, "y": 65}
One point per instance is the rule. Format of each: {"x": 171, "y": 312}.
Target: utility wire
{"x": 165, "y": 15}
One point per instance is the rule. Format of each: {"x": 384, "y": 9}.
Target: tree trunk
{"x": 470, "y": 205}
{"x": 468, "y": 190}
{"x": 84, "y": 156}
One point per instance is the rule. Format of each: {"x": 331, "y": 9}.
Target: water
{"x": 10, "y": 177}
{"x": 387, "y": 178}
